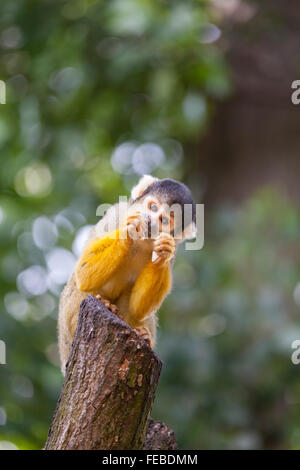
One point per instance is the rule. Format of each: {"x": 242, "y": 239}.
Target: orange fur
{"x": 100, "y": 260}
{"x": 149, "y": 291}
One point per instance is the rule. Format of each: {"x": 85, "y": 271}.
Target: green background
{"x": 97, "y": 93}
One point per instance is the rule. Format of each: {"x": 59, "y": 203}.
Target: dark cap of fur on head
{"x": 172, "y": 192}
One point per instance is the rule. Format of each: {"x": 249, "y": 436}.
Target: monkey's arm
{"x": 150, "y": 289}
{"x": 100, "y": 259}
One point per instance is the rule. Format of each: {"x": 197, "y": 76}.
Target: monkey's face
{"x": 157, "y": 216}
{"x": 166, "y": 206}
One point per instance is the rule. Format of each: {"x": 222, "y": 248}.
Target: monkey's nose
{"x": 147, "y": 220}
{"x": 148, "y": 225}
{"x": 153, "y": 227}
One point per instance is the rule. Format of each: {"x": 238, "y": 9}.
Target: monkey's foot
{"x": 143, "y": 333}
{"x": 113, "y": 308}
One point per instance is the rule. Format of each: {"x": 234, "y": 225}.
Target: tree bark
{"x": 159, "y": 437}
{"x": 109, "y": 388}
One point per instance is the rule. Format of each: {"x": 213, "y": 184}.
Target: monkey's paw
{"x": 134, "y": 226}
{"x": 144, "y": 334}
{"x": 165, "y": 247}
{"x": 113, "y": 308}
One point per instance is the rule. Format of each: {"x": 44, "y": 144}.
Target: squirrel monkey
{"x": 130, "y": 266}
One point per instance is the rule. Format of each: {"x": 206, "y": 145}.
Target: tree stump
{"x": 159, "y": 437}
{"x": 109, "y": 388}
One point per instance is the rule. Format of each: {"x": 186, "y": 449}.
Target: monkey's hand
{"x": 134, "y": 226}
{"x": 165, "y": 248}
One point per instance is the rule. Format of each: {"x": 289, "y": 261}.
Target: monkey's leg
{"x": 100, "y": 260}
{"x": 69, "y": 304}
{"x": 149, "y": 291}
{"x": 147, "y": 330}
{"x": 144, "y": 333}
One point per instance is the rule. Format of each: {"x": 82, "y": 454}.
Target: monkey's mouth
{"x": 148, "y": 230}
{"x": 151, "y": 228}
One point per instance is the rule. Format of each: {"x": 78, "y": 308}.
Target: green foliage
{"x": 228, "y": 380}
{"x": 98, "y": 93}
{"x": 82, "y": 78}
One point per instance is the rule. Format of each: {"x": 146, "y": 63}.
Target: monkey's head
{"x": 168, "y": 207}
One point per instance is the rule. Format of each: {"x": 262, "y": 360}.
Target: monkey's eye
{"x": 153, "y": 207}
{"x": 164, "y": 220}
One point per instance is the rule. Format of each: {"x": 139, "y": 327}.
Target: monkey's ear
{"x": 142, "y": 185}
{"x": 190, "y": 231}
